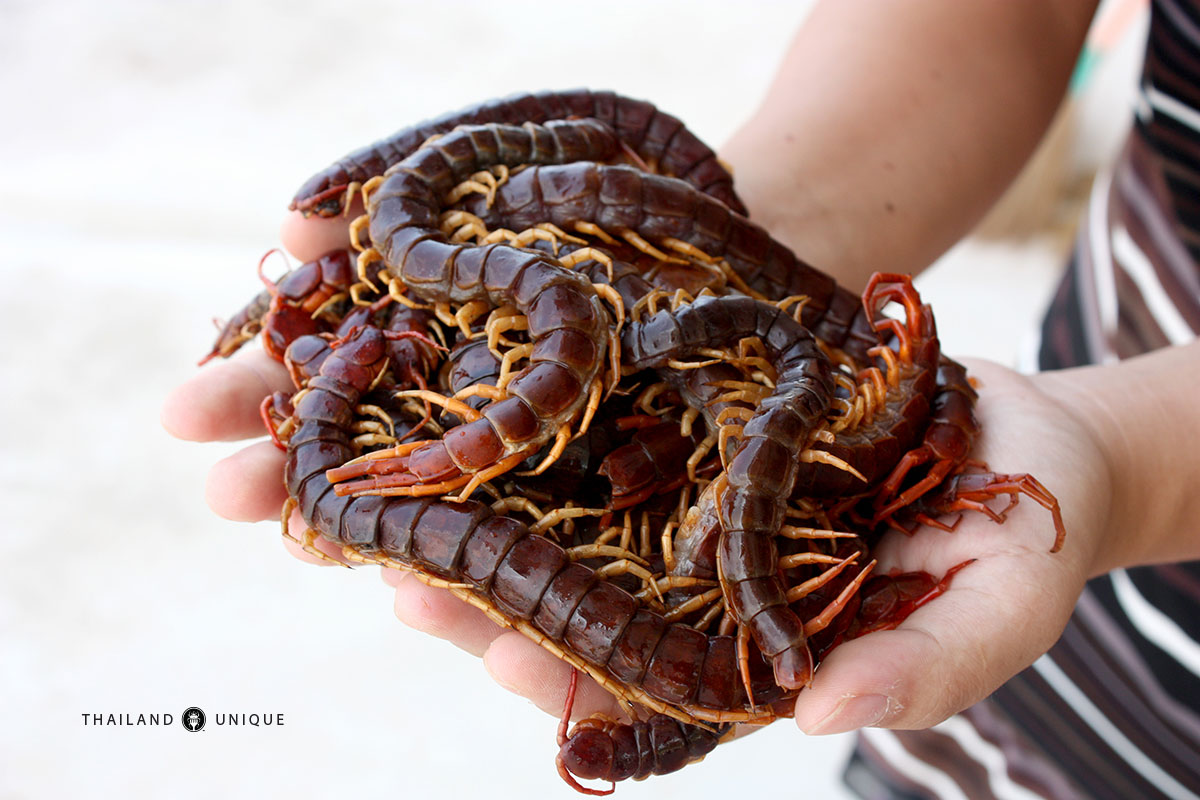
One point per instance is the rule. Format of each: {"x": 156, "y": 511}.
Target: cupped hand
{"x": 998, "y": 616}
{"x": 1001, "y": 612}
{"x": 221, "y": 403}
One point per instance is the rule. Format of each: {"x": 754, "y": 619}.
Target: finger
{"x": 441, "y": 614}
{"x": 309, "y": 238}
{"x": 221, "y": 402}
{"x": 392, "y": 577}
{"x": 525, "y": 668}
{"x": 996, "y": 619}
{"x": 246, "y": 487}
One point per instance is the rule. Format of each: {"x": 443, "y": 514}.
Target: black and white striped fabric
{"x": 1113, "y": 710}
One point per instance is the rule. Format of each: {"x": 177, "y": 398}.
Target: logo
{"x": 193, "y": 719}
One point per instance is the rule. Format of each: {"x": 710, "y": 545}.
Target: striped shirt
{"x": 1113, "y": 710}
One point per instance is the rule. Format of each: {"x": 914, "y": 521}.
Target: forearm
{"x": 892, "y": 127}
{"x": 1144, "y": 415}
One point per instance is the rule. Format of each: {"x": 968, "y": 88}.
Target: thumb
{"x": 947, "y": 656}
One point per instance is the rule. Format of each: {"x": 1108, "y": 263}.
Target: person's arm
{"x": 888, "y": 132}
{"x": 891, "y": 128}
{"x": 1146, "y": 415}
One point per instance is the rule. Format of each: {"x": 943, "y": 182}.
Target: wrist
{"x": 1103, "y": 448}
{"x": 1141, "y": 419}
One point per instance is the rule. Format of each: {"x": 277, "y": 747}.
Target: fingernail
{"x": 853, "y": 712}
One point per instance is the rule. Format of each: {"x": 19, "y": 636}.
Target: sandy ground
{"x": 149, "y": 151}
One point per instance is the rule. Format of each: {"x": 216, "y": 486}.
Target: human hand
{"x": 998, "y": 616}
{"x": 1004, "y": 610}
{"x": 221, "y": 403}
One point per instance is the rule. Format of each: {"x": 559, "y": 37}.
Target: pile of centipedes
{"x": 566, "y": 378}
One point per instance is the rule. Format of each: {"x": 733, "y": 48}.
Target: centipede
{"x": 564, "y": 377}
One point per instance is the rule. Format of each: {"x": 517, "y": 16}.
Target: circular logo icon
{"x": 193, "y": 719}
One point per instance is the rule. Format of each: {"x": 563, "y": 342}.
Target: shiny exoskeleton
{"x": 658, "y": 139}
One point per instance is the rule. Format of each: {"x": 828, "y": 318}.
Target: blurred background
{"x": 149, "y": 153}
